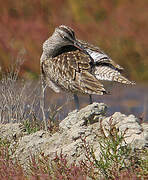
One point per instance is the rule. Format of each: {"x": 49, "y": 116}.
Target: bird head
{"x": 62, "y": 36}
{"x": 66, "y": 36}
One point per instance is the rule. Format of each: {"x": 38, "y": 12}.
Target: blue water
{"x": 127, "y": 100}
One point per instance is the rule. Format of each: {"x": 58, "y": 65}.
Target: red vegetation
{"x": 118, "y": 27}
{"x": 44, "y": 167}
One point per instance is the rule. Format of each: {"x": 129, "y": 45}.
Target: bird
{"x": 76, "y": 66}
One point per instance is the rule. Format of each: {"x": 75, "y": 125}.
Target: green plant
{"x": 4, "y": 143}
{"x": 116, "y": 159}
{"x": 31, "y": 127}
{"x": 113, "y": 154}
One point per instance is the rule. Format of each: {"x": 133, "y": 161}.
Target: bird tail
{"x": 109, "y": 74}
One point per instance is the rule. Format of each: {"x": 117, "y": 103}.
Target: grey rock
{"x": 88, "y": 115}
{"x": 78, "y": 125}
{"x": 11, "y": 131}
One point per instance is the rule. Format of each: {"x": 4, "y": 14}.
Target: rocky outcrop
{"x": 85, "y": 123}
{"x": 11, "y": 131}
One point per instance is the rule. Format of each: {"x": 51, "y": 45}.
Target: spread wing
{"x": 71, "y": 71}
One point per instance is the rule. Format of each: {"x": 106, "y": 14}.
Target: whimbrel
{"x": 75, "y": 66}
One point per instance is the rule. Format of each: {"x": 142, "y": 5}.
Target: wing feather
{"x": 108, "y": 74}
{"x": 71, "y": 71}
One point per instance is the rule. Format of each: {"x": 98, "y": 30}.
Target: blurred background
{"x": 118, "y": 27}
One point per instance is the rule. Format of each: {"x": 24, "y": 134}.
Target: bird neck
{"x": 50, "y": 48}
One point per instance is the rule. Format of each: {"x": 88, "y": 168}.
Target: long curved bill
{"x": 82, "y": 48}
{"x": 78, "y": 45}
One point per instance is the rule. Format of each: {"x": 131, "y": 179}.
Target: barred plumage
{"x": 76, "y": 66}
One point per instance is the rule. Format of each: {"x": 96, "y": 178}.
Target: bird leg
{"x": 42, "y": 104}
{"x": 76, "y": 100}
{"x": 90, "y": 99}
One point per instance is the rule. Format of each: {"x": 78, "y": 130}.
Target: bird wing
{"x": 72, "y": 71}
{"x": 109, "y": 74}
{"x": 99, "y": 57}
{"x": 104, "y": 67}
